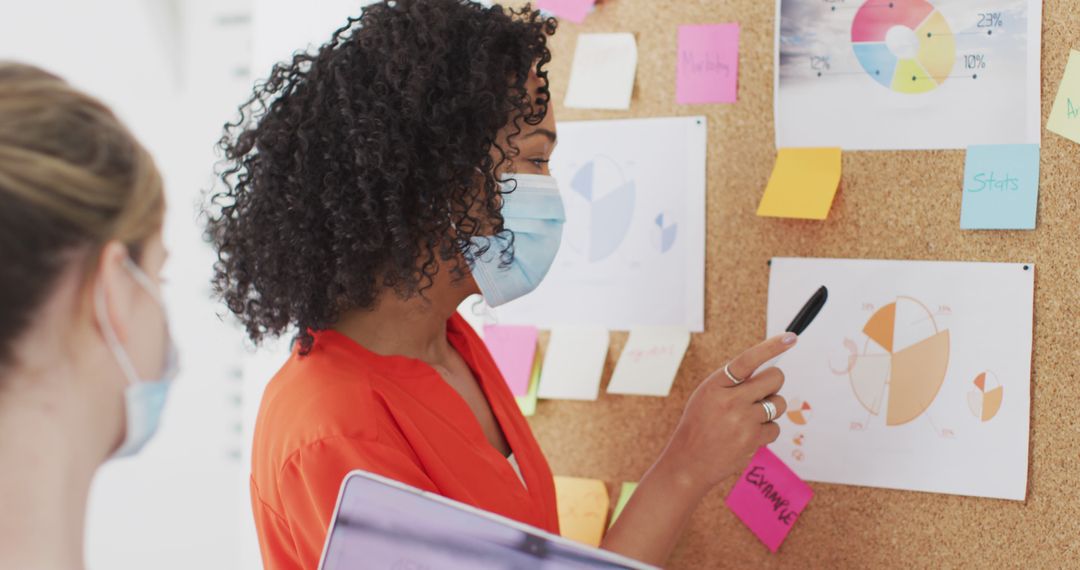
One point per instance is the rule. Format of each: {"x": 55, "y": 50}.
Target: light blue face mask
{"x": 144, "y": 400}
{"x": 533, "y": 210}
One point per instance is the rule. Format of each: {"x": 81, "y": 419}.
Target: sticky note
{"x": 1001, "y": 187}
{"x": 573, "y": 10}
{"x": 574, "y": 363}
{"x": 803, "y": 184}
{"x": 513, "y": 348}
{"x": 708, "y": 66}
{"x": 624, "y": 497}
{"x": 583, "y": 506}
{"x": 527, "y": 403}
{"x": 1065, "y": 116}
{"x": 769, "y": 498}
{"x": 602, "y": 76}
{"x": 649, "y": 361}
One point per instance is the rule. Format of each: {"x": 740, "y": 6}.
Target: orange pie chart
{"x": 985, "y": 400}
{"x": 904, "y": 364}
{"x": 799, "y": 412}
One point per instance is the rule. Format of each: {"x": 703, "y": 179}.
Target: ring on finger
{"x": 770, "y": 410}
{"x": 731, "y": 376}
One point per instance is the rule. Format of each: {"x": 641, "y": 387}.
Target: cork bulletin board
{"x": 891, "y": 205}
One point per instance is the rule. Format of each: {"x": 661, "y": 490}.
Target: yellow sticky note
{"x": 803, "y": 184}
{"x": 527, "y": 403}
{"x": 624, "y": 497}
{"x": 583, "y": 507}
{"x": 1065, "y": 116}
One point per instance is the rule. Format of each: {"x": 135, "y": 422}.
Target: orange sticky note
{"x": 583, "y": 507}
{"x": 803, "y": 184}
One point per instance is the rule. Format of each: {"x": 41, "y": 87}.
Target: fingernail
{"x": 789, "y": 338}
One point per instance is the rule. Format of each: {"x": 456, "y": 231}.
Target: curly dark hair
{"x": 371, "y": 163}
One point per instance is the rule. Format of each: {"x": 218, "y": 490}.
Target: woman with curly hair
{"x": 371, "y": 187}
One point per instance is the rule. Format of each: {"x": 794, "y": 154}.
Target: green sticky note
{"x": 1001, "y": 187}
{"x": 624, "y": 497}
{"x": 1065, "y": 116}
{"x": 527, "y": 403}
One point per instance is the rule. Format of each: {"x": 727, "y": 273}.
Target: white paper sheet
{"x": 602, "y": 76}
{"x": 574, "y": 363}
{"x": 907, "y": 74}
{"x": 633, "y": 248}
{"x": 650, "y": 360}
{"x": 915, "y": 375}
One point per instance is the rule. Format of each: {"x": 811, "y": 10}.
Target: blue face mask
{"x": 144, "y": 400}
{"x": 533, "y": 210}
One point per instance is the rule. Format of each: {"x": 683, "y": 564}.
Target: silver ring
{"x": 770, "y": 410}
{"x": 730, "y": 376}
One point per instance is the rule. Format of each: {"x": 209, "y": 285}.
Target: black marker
{"x": 802, "y": 320}
{"x": 809, "y": 311}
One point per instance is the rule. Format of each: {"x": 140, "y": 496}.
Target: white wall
{"x": 170, "y": 70}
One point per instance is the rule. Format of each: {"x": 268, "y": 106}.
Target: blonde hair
{"x": 72, "y": 178}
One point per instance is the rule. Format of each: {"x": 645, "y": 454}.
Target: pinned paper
{"x": 573, "y": 10}
{"x": 527, "y": 403}
{"x": 583, "y": 506}
{"x": 514, "y": 349}
{"x": 649, "y": 361}
{"x": 708, "y": 67}
{"x": 625, "y": 493}
{"x": 1065, "y": 116}
{"x": 602, "y": 76}
{"x": 574, "y": 363}
{"x": 803, "y": 184}
{"x": 769, "y": 498}
{"x": 1001, "y": 187}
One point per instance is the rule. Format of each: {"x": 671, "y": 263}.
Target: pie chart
{"x": 799, "y": 412}
{"x": 599, "y": 218}
{"x": 665, "y": 232}
{"x": 985, "y": 399}
{"x": 903, "y": 364}
{"x": 905, "y": 45}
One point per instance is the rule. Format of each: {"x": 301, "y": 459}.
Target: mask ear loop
{"x": 110, "y": 336}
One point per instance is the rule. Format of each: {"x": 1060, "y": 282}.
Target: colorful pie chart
{"x": 905, "y": 45}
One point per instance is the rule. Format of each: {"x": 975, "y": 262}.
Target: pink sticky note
{"x": 514, "y": 349}
{"x": 708, "y": 69}
{"x": 769, "y": 498}
{"x": 573, "y": 10}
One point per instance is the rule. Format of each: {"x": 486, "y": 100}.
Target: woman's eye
{"x": 539, "y": 162}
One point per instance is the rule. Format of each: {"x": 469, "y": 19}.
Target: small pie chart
{"x": 985, "y": 400}
{"x": 799, "y": 412}
{"x": 905, "y": 45}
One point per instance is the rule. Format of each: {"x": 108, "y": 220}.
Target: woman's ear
{"x": 113, "y": 290}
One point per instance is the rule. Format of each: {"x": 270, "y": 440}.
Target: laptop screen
{"x": 383, "y": 524}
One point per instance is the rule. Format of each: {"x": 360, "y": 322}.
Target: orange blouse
{"x": 342, "y": 407}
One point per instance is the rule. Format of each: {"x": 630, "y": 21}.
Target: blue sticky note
{"x": 1001, "y": 187}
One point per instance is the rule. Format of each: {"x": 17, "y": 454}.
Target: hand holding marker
{"x": 802, "y": 320}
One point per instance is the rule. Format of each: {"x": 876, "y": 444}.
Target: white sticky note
{"x": 602, "y": 76}
{"x": 574, "y": 363}
{"x": 649, "y": 361}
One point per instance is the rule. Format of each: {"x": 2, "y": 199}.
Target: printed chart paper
{"x": 769, "y": 498}
{"x": 907, "y": 74}
{"x": 915, "y": 375}
{"x": 602, "y": 76}
{"x": 633, "y": 247}
{"x": 649, "y": 361}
